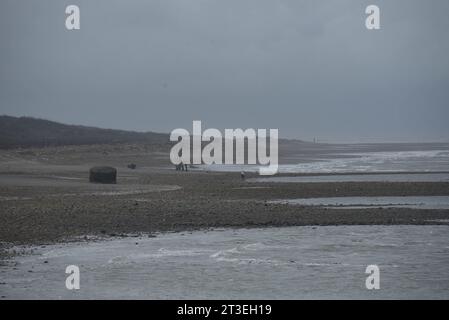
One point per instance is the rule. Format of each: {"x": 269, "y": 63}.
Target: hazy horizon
{"x": 310, "y": 69}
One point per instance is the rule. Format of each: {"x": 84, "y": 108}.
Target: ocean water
{"x": 390, "y": 161}
{"x": 271, "y": 263}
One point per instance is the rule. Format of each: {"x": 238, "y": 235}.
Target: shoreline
{"x": 45, "y": 197}
{"x": 10, "y": 250}
{"x": 203, "y": 201}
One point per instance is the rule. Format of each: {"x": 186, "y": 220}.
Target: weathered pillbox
{"x": 103, "y": 175}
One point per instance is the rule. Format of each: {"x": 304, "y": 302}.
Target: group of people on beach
{"x": 181, "y": 167}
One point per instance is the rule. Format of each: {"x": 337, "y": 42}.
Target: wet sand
{"x": 45, "y": 198}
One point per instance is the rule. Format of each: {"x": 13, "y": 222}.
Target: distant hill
{"x": 23, "y": 132}
{"x": 31, "y": 132}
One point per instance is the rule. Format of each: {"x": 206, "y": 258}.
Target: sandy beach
{"x": 45, "y": 197}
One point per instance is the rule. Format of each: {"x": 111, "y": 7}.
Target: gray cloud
{"x": 309, "y": 68}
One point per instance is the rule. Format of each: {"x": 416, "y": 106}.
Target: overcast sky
{"x": 309, "y": 68}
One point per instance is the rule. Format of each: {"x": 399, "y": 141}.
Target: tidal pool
{"x": 383, "y": 177}
{"x": 413, "y": 202}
